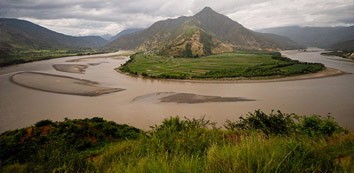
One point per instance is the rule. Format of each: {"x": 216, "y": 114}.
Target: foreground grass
{"x": 251, "y": 153}
{"x": 30, "y": 55}
{"x": 259, "y": 142}
{"x": 226, "y": 65}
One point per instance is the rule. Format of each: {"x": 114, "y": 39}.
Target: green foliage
{"x": 44, "y": 123}
{"x": 58, "y": 155}
{"x": 29, "y": 55}
{"x": 61, "y": 142}
{"x": 188, "y": 50}
{"x": 283, "y": 67}
{"x": 255, "y": 64}
{"x": 260, "y": 142}
{"x": 178, "y": 146}
{"x": 255, "y": 153}
{"x": 316, "y": 125}
{"x": 183, "y": 136}
{"x": 207, "y": 42}
{"x": 286, "y": 124}
{"x": 275, "y": 123}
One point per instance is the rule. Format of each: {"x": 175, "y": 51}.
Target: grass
{"x": 252, "y": 144}
{"x": 226, "y": 65}
{"x": 29, "y": 55}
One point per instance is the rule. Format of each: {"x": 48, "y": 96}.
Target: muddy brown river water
{"x": 143, "y": 103}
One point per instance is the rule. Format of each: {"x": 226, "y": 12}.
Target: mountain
{"x": 126, "y": 32}
{"x": 107, "y": 37}
{"x": 282, "y": 42}
{"x": 205, "y": 33}
{"x": 314, "y": 36}
{"x": 345, "y": 45}
{"x": 23, "y": 34}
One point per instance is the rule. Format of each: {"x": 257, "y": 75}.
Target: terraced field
{"x": 226, "y": 65}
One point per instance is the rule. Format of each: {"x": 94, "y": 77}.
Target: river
{"x": 21, "y": 107}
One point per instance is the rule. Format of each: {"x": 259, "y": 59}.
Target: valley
{"x": 214, "y": 65}
{"x": 22, "y": 41}
{"x": 19, "y": 56}
{"x": 261, "y": 96}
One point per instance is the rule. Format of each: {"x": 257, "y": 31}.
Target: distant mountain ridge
{"x": 344, "y": 45}
{"x": 205, "y": 33}
{"x": 322, "y": 37}
{"x": 17, "y": 33}
{"x": 126, "y": 32}
{"x": 107, "y": 36}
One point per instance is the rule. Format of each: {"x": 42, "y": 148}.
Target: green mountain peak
{"x": 205, "y": 33}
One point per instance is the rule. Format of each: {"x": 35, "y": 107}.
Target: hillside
{"x": 282, "y": 42}
{"x": 205, "y": 33}
{"x": 345, "y": 45}
{"x": 126, "y": 32}
{"x": 22, "y": 41}
{"x": 21, "y": 34}
{"x": 107, "y": 37}
{"x": 343, "y": 49}
{"x": 322, "y": 37}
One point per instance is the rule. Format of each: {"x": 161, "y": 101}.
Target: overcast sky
{"x": 98, "y": 17}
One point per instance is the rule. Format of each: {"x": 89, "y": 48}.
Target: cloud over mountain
{"x": 97, "y": 17}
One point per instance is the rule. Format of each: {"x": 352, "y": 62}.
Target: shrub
{"x": 184, "y": 145}
{"x": 188, "y": 136}
{"x": 315, "y": 125}
{"x": 65, "y": 140}
{"x": 44, "y": 123}
{"x": 275, "y": 123}
{"x": 285, "y": 124}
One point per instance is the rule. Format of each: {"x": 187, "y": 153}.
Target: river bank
{"x": 327, "y": 72}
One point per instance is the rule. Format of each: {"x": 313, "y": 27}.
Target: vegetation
{"x": 242, "y": 64}
{"x": 29, "y": 55}
{"x": 202, "y": 34}
{"x": 207, "y": 42}
{"x": 51, "y": 145}
{"x": 259, "y": 142}
{"x": 343, "y": 54}
{"x": 22, "y": 41}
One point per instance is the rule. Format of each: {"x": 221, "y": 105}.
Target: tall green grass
{"x": 252, "y": 144}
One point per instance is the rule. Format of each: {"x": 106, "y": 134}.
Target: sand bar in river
{"x": 173, "y": 97}
{"x": 70, "y": 68}
{"x": 61, "y": 84}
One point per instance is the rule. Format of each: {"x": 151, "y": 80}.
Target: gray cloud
{"x": 97, "y": 17}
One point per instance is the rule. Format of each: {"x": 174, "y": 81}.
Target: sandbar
{"x": 60, "y": 84}
{"x": 70, "y": 68}
{"x": 92, "y": 58}
{"x": 173, "y": 97}
{"x": 117, "y": 55}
